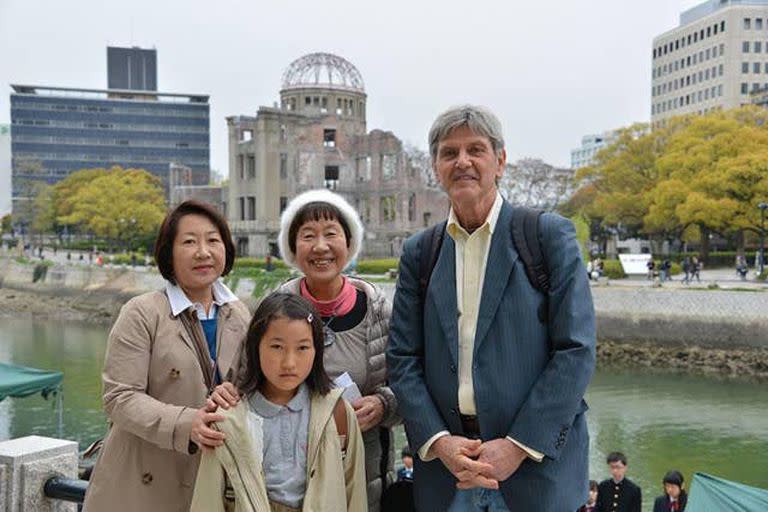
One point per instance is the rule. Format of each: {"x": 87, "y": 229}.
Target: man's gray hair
{"x": 478, "y": 119}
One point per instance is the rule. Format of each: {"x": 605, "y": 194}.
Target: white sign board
{"x": 635, "y": 263}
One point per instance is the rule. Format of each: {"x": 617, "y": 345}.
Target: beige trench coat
{"x": 153, "y": 385}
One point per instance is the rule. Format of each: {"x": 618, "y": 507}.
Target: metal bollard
{"x": 65, "y": 489}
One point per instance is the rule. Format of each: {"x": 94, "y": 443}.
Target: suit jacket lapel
{"x": 442, "y": 291}
{"x": 501, "y": 258}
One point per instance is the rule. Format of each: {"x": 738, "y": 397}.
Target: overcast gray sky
{"x": 552, "y": 70}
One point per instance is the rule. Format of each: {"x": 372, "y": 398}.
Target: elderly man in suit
{"x": 490, "y": 390}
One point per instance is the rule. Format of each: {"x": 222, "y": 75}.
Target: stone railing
{"x": 27, "y": 464}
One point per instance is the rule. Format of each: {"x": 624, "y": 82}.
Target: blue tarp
{"x": 712, "y": 494}
{"x": 20, "y": 381}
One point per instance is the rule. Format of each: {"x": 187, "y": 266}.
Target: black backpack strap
{"x": 431, "y": 243}
{"x": 525, "y": 235}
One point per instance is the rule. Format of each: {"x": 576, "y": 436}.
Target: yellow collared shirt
{"x": 471, "y": 260}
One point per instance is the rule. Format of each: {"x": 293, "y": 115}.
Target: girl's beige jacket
{"x": 334, "y": 484}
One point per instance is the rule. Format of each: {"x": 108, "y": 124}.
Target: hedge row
{"x": 244, "y": 262}
{"x": 614, "y": 270}
{"x": 377, "y": 266}
{"x": 718, "y": 259}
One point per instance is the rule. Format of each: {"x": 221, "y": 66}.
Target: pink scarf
{"x": 340, "y": 306}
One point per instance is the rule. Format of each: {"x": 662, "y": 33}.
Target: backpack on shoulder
{"x": 525, "y": 235}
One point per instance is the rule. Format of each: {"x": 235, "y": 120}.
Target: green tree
{"x": 44, "y": 215}
{"x": 5, "y": 224}
{"x": 120, "y": 205}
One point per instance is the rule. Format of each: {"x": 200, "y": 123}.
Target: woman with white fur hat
{"x": 320, "y": 234}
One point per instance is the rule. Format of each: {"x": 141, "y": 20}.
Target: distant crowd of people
{"x": 691, "y": 267}
{"x": 620, "y": 494}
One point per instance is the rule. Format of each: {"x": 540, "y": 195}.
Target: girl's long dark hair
{"x": 292, "y": 307}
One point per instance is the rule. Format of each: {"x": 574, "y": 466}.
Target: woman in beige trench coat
{"x": 165, "y": 353}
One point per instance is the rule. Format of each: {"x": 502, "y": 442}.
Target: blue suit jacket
{"x": 522, "y": 390}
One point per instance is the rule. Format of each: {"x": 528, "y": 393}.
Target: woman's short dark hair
{"x": 293, "y": 307}
{"x": 593, "y": 485}
{"x": 170, "y": 227}
{"x": 313, "y": 212}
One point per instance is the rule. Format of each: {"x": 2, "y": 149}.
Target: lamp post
{"x": 763, "y": 207}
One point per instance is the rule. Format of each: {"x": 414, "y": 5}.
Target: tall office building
{"x": 131, "y": 68}
{"x": 712, "y": 60}
{"x": 5, "y": 169}
{"x": 58, "y": 130}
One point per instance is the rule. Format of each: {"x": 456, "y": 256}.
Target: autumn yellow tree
{"x": 65, "y": 190}
{"x": 120, "y": 205}
{"x": 620, "y": 177}
{"x": 699, "y": 174}
{"x": 715, "y": 172}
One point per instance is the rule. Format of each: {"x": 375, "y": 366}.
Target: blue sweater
{"x": 209, "y": 328}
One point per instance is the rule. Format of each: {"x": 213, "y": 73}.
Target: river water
{"x": 661, "y": 421}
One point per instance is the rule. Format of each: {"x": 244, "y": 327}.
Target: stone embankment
{"x": 70, "y": 293}
{"x": 705, "y": 331}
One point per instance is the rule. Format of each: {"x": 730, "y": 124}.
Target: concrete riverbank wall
{"x": 706, "y": 318}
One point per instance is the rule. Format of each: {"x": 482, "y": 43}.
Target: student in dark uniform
{"x": 618, "y": 494}
{"x": 675, "y": 498}
{"x": 591, "y": 505}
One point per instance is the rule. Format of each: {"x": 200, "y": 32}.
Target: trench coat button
{"x": 453, "y": 411}
{"x": 312, "y": 473}
{"x": 453, "y": 368}
{"x": 174, "y": 373}
{"x": 146, "y": 478}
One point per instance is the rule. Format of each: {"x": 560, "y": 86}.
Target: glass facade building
{"x": 56, "y": 131}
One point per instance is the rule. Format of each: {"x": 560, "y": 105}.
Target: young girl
{"x": 674, "y": 498}
{"x": 292, "y": 443}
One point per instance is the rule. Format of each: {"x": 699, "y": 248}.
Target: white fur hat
{"x": 320, "y": 195}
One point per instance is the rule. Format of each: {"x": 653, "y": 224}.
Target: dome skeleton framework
{"x": 323, "y": 70}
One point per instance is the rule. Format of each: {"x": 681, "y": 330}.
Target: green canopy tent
{"x": 712, "y": 494}
{"x": 20, "y": 381}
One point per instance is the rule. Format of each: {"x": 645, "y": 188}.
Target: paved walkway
{"x": 724, "y": 278}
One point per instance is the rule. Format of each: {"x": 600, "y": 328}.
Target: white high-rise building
{"x": 590, "y": 145}
{"x": 712, "y": 60}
